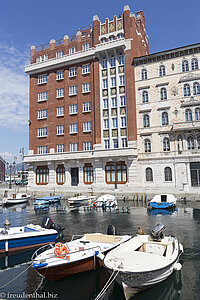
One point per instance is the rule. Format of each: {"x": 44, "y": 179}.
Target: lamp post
{"x": 14, "y": 164}
{"x": 9, "y": 166}
{"x": 115, "y": 164}
{"x": 21, "y": 151}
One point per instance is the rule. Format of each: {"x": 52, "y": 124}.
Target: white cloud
{"x": 14, "y": 88}
{"x": 9, "y": 157}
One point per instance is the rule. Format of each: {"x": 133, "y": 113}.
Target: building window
{"x": 180, "y": 143}
{"x": 86, "y": 46}
{"x": 60, "y": 129}
{"x": 106, "y": 123}
{"x": 190, "y": 143}
{"x": 166, "y": 144}
{"x": 73, "y": 109}
{"x": 149, "y": 174}
{"x": 60, "y": 148}
{"x": 121, "y": 60}
{"x": 73, "y": 147}
{"x": 198, "y": 141}
{"x": 87, "y": 146}
{"x": 197, "y": 114}
{"x": 163, "y": 94}
{"x": 103, "y": 40}
{"x": 86, "y": 87}
{"x": 123, "y": 122}
{"x": 114, "y": 122}
{"x": 145, "y": 97}
{"x": 73, "y": 128}
{"x": 42, "y": 132}
{"x": 124, "y": 143}
{"x": 115, "y": 143}
{"x": 121, "y": 80}
{"x": 186, "y": 90}
{"x": 42, "y": 79}
{"x": 104, "y": 64}
{"x": 168, "y": 174}
{"x": 60, "y": 93}
{"x": 165, "y": 119}
{"x": 87, "y": 126}
{"x": 114, "y": 102}
{"x": 113, "y": 81}
{"x": 123, "y": 101}
{"x": 59, "y": 54}
{"x": 185, "y": 66}
{"x": 116, "y": 171}
{"x": 42, "y": 114}
{"x": 105, "y": 103}
{"x": 42, "y": 175}
{"x": 42, "y": 96}
{"x": 73, "y": 72}
{"x": 111, "y": 38}
{"x": 60, "y": 174}
{"x": 42, "y": 58}
{"x": 188, "y": 115}
{"x": 42, "y": 150}
{"x": 144, "y": 74}
{"x": 105, "y": 83}
{"x": 194, "y": 64}
{"x": 73, "y": 90}
{"x": 107, "y": 144}
{"x": 196, "y": 88}
{"x": 88, "y": 174}
{"x": 146, "y": 120}
{"x": 72, "y": 50}
{"x": 87, "y": 107}
{"x": 112, "y": 62}
{"x": 86, "y": 69}
{"x": 147, "y": 145}
{"x": 60, "y": 75}
{"x": 162, "y": 71}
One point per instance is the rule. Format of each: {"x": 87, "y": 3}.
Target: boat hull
{"x": 163, "y": 205}
{"x": 15, "y": 201}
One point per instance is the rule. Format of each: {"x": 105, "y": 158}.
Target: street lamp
{"x": 14, "y": 164}
{"x": 115, "y": 165}
{"x": 9, "y": 166}
{"x": 21, "y": 151}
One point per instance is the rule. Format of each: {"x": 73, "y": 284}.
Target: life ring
{"x": 61, "y": 250}
{"x": 95, "y": 205}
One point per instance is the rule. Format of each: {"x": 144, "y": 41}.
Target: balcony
{"x": 180, "y": 126}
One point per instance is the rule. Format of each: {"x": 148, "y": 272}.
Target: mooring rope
{"x": 107, "y": 285}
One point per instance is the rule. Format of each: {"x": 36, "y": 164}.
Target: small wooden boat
{"x": 76, "y": 256}
{"x": 15, "y": 198}
{"x": 106, "y": 201}
{"x": 144, "y": 260}
{"x": 81, "y": 199}
{"x": 47, "y": 200}
{"x": 163, "y": 201}
{"x": 13, "y": 239}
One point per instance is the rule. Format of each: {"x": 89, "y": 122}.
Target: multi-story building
{"x": 167, "y": 88}
{"x": 2, "y": 169}
{"x": 82, "y": 105}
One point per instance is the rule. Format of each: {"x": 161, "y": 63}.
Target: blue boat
{"x": 47, "y": 200}
{"x": 164, "y": 201}
{"x": 14, "y": 239}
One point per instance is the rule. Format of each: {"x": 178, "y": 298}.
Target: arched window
{"x": 196, "y": 88}
{"x": 149, "y": 174}
{"x": 163, "y": 94}
{"x": 144, "y": 74}
{"x": 188, "y": 115}
{"x": 166, "y": 144}
{"x": 186, "y": 90}
{"x": 88, "y": 176}
{"x": 194, "y": 64}
{"x": 147, "y": 145}
{"x": 145, "y": 97}
{"x": 60, "y": 174}
{"x": 116, "y": 170}
{"x": 185, "y": 66}
{"x": 162, "y": 71}
{"x": 198, "y": 141}
{"x": 197, "y": 114}
{"x": 180, "y": 143}
{"x": 146, "y": 120}
{"x": 165, "y": 119}
{"x": 190, "y": 142}
{"x": 168, "y": 174}
{"x": 42, "y": 175}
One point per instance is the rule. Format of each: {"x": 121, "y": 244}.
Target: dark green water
{"x": 183, "y": 223}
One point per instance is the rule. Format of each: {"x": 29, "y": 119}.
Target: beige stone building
{"x": 167, "y": 86}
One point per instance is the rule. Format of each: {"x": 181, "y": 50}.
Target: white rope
{"x": 107, "y": 285}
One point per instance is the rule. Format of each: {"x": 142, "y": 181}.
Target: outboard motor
{"x": 49, "y": 224}
{"x": 157, "y": 232}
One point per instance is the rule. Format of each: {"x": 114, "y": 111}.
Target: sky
{"x": 169, "y": 24}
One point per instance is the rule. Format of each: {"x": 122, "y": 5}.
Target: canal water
{"x": 184, "y": 223}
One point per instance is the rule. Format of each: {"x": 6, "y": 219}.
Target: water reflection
{"x": 162, "y": 211}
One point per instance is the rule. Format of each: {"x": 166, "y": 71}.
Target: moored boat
{"x": 81, "y": 199}
{"x": 145, "y": 260}
{"x": 163, "y": 201}
{"x": 15, "y": 198}
{"x": 106, "y": 201}
{"x": 76, "y": 256}
{"x": 47, "y": 200}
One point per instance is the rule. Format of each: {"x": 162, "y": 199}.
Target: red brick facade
{"x": 2, "y": 169}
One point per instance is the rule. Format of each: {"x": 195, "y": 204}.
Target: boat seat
{"x": 155, "y": 249}
{"x": 102, "y": 238}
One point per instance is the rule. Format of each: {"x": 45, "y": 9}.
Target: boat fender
{"x": 61, "y": 250}
{"x": 177, "y": 267}
{"x": 111, "y": 230}
{"x": 36, "y": 266}
{"x": 99, "y": 255}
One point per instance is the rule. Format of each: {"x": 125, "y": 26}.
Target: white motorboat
{"x": 165, "y": 201}
{"x": 15, "y": 198}
{"x": 144, "y": 260}
{"x": 106, "y": 201}
{"x": 76, "y": 256}
{"x": 82, "y": 199}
